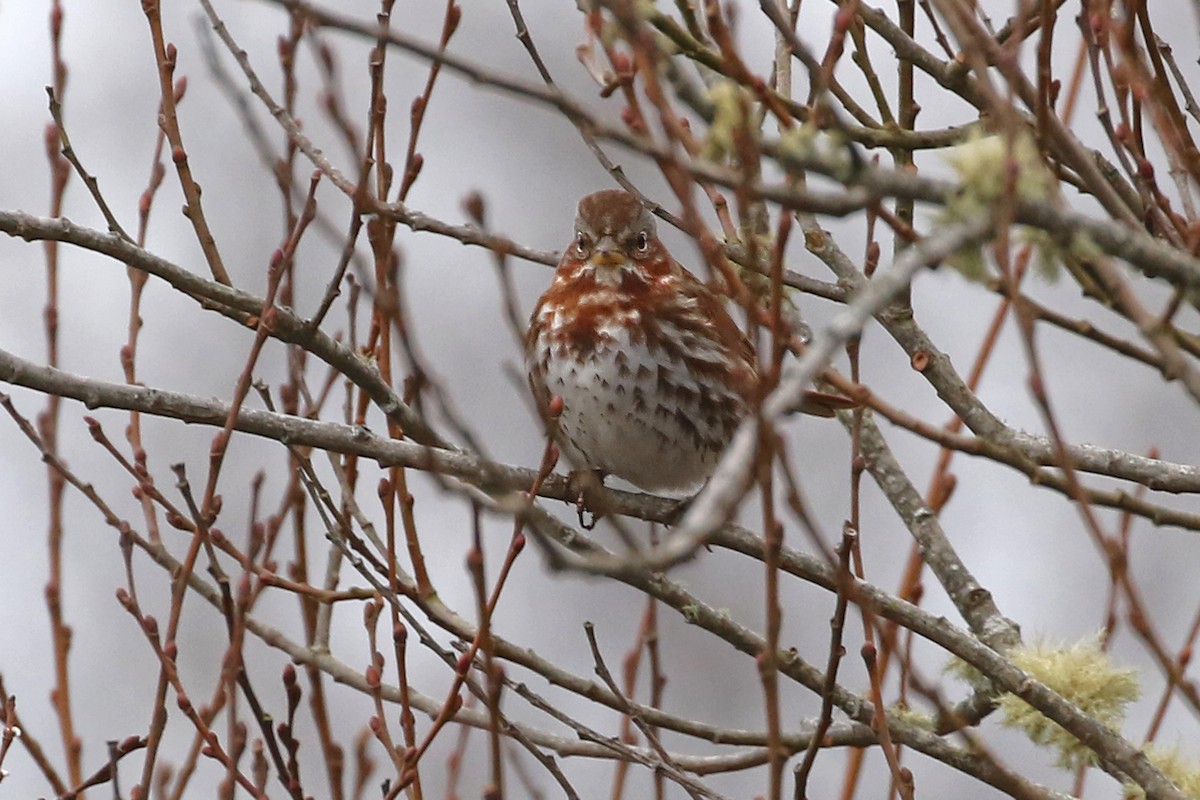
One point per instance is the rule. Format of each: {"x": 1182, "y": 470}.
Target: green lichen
{"x": 730, "y": 106}
{"x": 1051, "y": 251}
{"x": 983, "y": 164}
{"x": 1083, "y": 674}
{"x": 799, "y": 142}
{"x": 1184, "y": 772}
{"x": 1048, "y": 253}
{"x": 806, "y": 143}
{"x": 989, "y": 168}
{"x": 918, "y": 719}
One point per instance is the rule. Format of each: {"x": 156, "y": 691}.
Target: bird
{"x": 650, "y": 373}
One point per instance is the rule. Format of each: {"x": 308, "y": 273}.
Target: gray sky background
{"x": 1027, "y": 546}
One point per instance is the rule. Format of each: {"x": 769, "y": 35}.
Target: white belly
{"x": 631, "y": 412}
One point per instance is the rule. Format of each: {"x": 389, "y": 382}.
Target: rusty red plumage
{"x": 653, "y": 372}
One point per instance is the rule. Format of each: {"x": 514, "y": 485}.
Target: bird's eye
{"x": 642, "y": 242}
{"x": 581, "y": 242}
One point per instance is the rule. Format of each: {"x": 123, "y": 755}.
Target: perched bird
{"x": 653, "y": 373}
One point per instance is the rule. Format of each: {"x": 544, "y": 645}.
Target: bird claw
{"x": 675, "y": 514}
{"x": 591, "y": 498}
{"x": 581, "y": 510}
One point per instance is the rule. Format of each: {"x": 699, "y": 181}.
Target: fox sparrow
{"x": 653, "y": 373}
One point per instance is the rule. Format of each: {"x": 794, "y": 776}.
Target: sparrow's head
{"x": 615, "y": 232}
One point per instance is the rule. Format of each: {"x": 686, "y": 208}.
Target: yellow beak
{"x": 607, "y": 253}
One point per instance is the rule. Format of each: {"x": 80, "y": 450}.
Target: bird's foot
{"x": 675, "y": 514}
{"x": 591, "y": 498}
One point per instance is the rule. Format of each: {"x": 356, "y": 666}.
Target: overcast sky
{"x": 1028, "y": 547}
